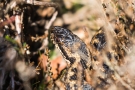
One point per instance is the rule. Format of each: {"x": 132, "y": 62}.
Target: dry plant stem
{"x": 13, "y": 3}
{"x": 45, "y": 42}
{"x": 108, "y": 30}
{"x": 49, "y": 72}
{"x": 116, "y": 74}
{"x": 109, "y": 44}
{"x": 18, "y": 29}
{"x": 79, "y": 75}
{"x": 44, "y": 3}
{"x": 18, "y": 26}
{"x": 47, "y": 4}
{"x": 52, "y": 20}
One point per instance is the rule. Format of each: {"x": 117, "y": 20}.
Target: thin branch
{"x": 44, "y": 3}
{"x": 52, "y": 20}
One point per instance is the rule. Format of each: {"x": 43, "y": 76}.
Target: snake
{"x": 77, "y": 55}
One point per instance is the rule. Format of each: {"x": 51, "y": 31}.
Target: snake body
{"x": 76, "y": 53}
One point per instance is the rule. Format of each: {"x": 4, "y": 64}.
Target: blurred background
{"x": 37, "y": 64}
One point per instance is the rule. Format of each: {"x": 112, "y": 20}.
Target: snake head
{"x": 70, "y": 45}
{"x": 61, "y": 35}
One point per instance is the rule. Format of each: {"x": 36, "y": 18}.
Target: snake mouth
{"x": 52, "y": 34}
{"x": 57, "y": 34}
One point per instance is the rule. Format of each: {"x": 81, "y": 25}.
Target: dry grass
{"x": 30, "y": 39}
